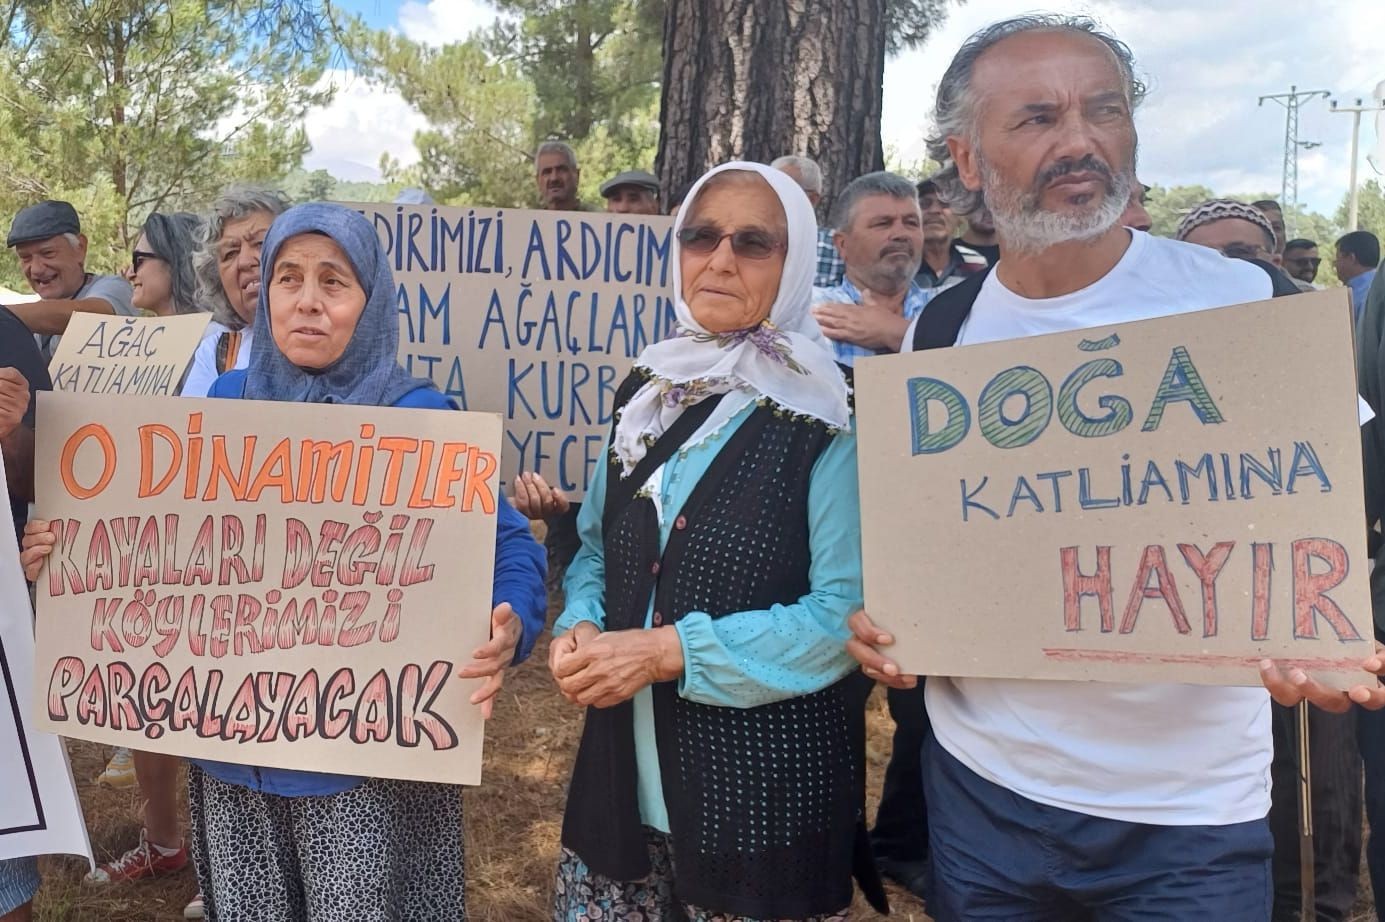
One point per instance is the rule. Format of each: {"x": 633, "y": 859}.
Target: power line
{"x": 1353, "y": 197}
{"x": 1288, "y": 187}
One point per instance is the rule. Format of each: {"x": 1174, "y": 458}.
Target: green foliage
{"x": 908, "y": 23}
{"x": 585, "y": 71}
{"x": 592, "y": 62}
{"x": 917, "y": 169}
{"x": 1370, "y": 210}
{"x": 132, "y": 106}
{"x": 1168, "y": 205}
{"x": 478, "y": 146}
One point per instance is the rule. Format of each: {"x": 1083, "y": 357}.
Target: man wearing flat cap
{"x": 631, "y": 192}
{"x": 52, "y": 252}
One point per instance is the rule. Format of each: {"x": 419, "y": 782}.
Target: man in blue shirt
{"x": 879, "y": 232}
{"x": 1358, "y": 255}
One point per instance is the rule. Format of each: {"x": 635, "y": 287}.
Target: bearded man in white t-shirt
{"x": 1056, "y": 800}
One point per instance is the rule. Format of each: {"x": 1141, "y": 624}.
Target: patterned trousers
{"x": 581, "y": 895}
{"x": 384, "y": 851}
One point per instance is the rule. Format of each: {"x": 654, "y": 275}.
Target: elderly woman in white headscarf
{"x": 720, "y": 774}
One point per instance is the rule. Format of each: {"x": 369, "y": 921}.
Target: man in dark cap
{"x": 52, "y": 252}
{"x": 945, "y": 261}
{"x": 631, "y": 192}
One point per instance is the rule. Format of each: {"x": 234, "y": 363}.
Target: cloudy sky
{"x": 1206, "y": 63}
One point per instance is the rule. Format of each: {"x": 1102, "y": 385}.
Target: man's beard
{"x": 889, "y": 277}
{"x": 1026, "y": 226}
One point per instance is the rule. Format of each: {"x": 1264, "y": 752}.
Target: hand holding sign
{"x": 14, "y": 400}
{"x": 489, "y": 660}
{"x": 1292, "y": 685}
{"x": 39, "y": 541}
{"x": 866, "y": 639}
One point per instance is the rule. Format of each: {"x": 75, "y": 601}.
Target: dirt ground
{"x": 512, "y": 820}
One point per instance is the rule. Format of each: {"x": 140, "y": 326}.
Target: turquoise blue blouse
{"x": 747, "y": 658}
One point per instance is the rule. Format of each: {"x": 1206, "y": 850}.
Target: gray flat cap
{"x": 637, "y": 178}
{"x": 44, "y": 220}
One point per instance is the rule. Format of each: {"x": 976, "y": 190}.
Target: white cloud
{"x": 441, "y": 22}
{"x": 363, "y": 122}
{"x": 1206, "y": 64}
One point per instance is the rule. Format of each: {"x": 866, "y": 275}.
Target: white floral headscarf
{"x": 785, "y": 359}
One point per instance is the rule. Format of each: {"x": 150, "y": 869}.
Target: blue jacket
{"x": 519, "y": 580}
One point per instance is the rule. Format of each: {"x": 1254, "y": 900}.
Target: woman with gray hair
{"x": 227, "y": 267}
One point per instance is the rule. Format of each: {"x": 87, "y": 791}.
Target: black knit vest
{"x": 766, "y": 804}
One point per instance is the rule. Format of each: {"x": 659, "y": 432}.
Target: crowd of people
{"x": 710, "y": 586}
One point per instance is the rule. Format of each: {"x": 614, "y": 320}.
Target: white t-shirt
{"x": 1174, "y": 755}
{"x": 203, "y": 371}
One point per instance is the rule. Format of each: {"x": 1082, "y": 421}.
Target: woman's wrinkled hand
{"x": 39, "y": 541}
{"x": 606, "y": 668}
{"x": 536, "y": 500}
{"x": 1293, "y": 685}
{"x": 565, "y": 644}
{"x": 490, "y": 660}
{"x": 866, "y": 639}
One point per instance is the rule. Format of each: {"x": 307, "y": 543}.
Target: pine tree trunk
{"x": 756, "y": 79}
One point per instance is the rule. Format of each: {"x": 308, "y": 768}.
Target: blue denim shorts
{"x": 18, "y": 882}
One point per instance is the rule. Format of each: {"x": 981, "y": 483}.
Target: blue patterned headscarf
{"x": 368, "y": 372}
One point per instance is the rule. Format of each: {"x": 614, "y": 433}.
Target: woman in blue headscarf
{"x": 272, "y": 844}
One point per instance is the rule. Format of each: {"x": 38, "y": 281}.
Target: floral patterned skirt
{"x": 581, "y": 895}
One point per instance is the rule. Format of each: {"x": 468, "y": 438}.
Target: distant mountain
{"x": 345, "y": 170}
{"x": 302, "y": 186}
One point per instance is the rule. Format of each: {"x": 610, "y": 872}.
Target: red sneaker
{"x": 144, "y": 860}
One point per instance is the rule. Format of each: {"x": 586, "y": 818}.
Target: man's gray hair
{"x": 881, "y": 183}
{"x": 556, "y": 147}
{"x": 233, "y": 204}
{"x": 73, "y": 240}
{"x": 955, "y": 113}
{"x": 810, "y": 174}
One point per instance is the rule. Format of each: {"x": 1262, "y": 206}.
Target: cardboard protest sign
{"x": 1168, "y": 500}
{"x": 39, "y": 812}
{"x": 104, "y": 354}
{"x": 287, "y": 585}
{"x": 535, "y": 315}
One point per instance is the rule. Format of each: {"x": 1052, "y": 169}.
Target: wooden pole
{"x": 1306, "y": 885}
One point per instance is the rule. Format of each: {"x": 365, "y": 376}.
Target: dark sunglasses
{"x": 750, "y": 244}
{"x": 139, "y": 257}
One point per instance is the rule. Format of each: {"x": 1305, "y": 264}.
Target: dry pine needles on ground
{"x": 512, "y": 820}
